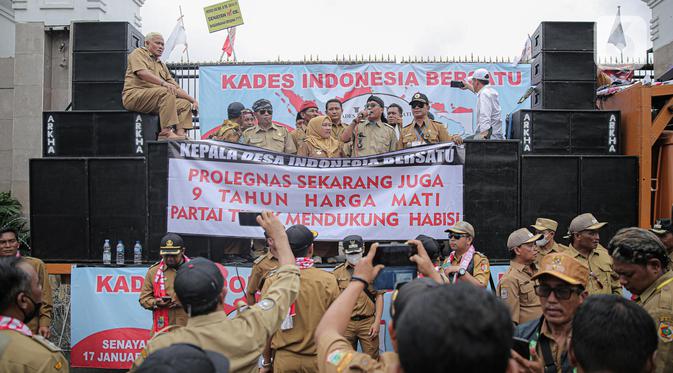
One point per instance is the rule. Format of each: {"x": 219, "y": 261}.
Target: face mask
{"x": 542, "y": 241}
{"x": 34, "y": 313}
{"x": 353, "y": 259}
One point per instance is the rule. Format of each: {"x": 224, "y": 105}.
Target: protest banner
{"x": 288, "y": 86}
{"x": 223, "y": 16}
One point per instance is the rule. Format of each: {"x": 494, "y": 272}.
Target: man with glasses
{"x": 547, "y": 244}
{"x": 422, "y": 130}
{"x": 584, "y": 246}
{"x": 307, "y": 111}
{"x": 561, "y": 284}
{"x": 516, "y": 286}
{"x": 465, "y": 263}
{"x": 266, "y": 134}
{"x": 643, "y": 266}
{"x": 9, "y": 246}
{"x": 664, "y": 230}
{"x": 369, "y": 134}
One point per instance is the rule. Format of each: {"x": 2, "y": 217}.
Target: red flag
{"x": 228, "y": 46}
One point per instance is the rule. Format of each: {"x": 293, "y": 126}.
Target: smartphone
{"x": 521, "y": 346}
{"x": 390, "y": 278}
{"x": 248, "y": 219}
{"x": 457, "y": 84}
{"x": 395, "y": 255}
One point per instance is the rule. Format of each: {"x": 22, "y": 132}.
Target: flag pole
{"x": 183, "y": 25}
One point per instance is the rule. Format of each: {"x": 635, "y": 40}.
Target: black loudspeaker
{"x": 563, "y": 66}
{"x": 564, "y": 36}
{"x": 549, "y": 189}
{"x": 99, "y": 66}
{"x": 611, "y": 195}
{"x": 96, "y": 134}
{"x": 59, "y": 208}
{"x": 577, "y": 95}
{"x": 157, "y": 179}
{"x": 105, "y": 36}
{"x": 567, "y": 131}
{"x": 97, "y": 95}
{"x": 491, "y": 193}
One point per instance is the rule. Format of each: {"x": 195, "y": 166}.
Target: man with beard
{"x": 158, "y": 292}
{"x": 369, "y": 133}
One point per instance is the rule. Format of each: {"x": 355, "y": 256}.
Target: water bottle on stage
{"x": 107, "y": 253}
{"x": 137, "y": 253}
{"x": 120, "y": 253}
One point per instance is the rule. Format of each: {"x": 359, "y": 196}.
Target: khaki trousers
{"x": 171, "y": 110}
{"x": 359, "y": 331}
{"x": 286, "y": 362}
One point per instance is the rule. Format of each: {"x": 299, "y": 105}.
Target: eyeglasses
{"x": 456, "y": 236}
{"x": 372, "y": 105}
{"x": 561, "y": 292}
{"x": 265, "y": 111}
{"x": 417, "y": 104}
{"x": 8, "y": 242}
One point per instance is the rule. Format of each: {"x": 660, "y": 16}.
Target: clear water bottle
{"x": 137, "y": 253}
{"x": 120, "y": 253}
{"x": 107, "y": 253}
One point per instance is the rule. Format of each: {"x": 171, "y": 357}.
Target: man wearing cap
{"x": 547, "y": 244}
{"x": 664, "y": 230}
{"x": 561, "y": 286}
{"x": 643, "y": 266}
{"x": 422, "y": 130}
{"x": 369, "y": 134}
{"x": 584, "y": 246}
{"x": 465, "y": 263}
{"x": 293, "y": 344}
{"x": 366, "y": 318}
{"x": 516, "y": 286}
{"x": 184, "y": 357}
{"x": 266, "y": 134}
{"x": 487, "y": 113}
{"x": 158, "y": 291}
{"x": 230, "y": 130}
{"x": 199, "y": 285}
{"x": 260, "y": 268}
{"x": 307, "y": 111}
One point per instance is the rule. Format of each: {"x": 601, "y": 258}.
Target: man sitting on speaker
{"x": 489, "y": 120}
{"x": 150, "y": 88}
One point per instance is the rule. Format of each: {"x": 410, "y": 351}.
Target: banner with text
{"x": 391, "y": 196}
{"x": 288, "y": 86}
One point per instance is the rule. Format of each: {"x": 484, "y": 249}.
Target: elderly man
{"x": 150, "y": 88}
{"x": 266, "y": 134}
{"x": 369, "y": 134}
{"x": 307, "y": 111}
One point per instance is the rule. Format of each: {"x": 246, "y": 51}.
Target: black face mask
{"x": 36, "y": 311}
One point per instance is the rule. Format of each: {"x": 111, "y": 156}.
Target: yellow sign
{"x": 223, "y": 15}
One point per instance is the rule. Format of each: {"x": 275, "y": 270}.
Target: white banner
{"x": 392, "y": 196}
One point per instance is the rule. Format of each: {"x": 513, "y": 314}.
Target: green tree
{"x": 10, "y": 217}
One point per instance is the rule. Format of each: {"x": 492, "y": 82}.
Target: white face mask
{"x": 542, "y": 241}
{"x": 353, "y": 259}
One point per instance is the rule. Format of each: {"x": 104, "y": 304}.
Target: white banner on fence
{"x": 392, "y": 196}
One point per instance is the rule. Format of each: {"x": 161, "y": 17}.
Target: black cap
{"x": 419, "y": 97}
{"x": 300, "y": 236}
{"x": 662, "y": 226}
{"x": 183, "y": 357}
{"x": 404, "y": 294}
{"x": 171, "y": 244}
{"x": 234, "y": 110}
{"x": 376, "y": 99}
{"x": 198, "y": 282}
{"x": 353, "y": 244}
{"x": 430, "y": 244}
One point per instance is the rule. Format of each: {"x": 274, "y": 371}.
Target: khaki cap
{"x": 543, "y": 224}
{"x": 585, "y": 222}
{"x": 462, "y": 227}
{"x": 521, "y": 236}
{"x": 565, "y": 268}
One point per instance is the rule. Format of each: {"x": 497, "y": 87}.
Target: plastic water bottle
{"x": 120, "y": 253}
{"x": 137, "y": 253}
{"x": 107, "y": 253}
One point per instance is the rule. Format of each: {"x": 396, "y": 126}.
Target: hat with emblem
{"x": 419, "y": 97}
{"x": 198, "y": 282}
{"x": 353, "y": 244}
{"x": 300, "y": 236}
{"x": 171, "y": 244}
{"x": 521, "y": 236}
{"x": 662, "y": 226}
{"x": 462, "y": 227}
{"x": 543, "y": 224}
{"x": 585, "y": 222}
{"x": 184, "y": 357}
{"x": 565, "y": 268}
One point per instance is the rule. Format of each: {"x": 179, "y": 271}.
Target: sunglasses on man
{"x": 265, "y": 111}
{"x": 417, "y": 104}
{"x": 561, "y": 292}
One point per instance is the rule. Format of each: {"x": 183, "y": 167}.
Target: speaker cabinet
{"x": 157, "y": 179}
{"x": 105, "y": 36}
{"x": 99, "y": 66}
{"x": 97, "y": 95}
{"x": 564, "y": 95}
{"x": 564, "y": 36}
{"x": 563, "y": 66}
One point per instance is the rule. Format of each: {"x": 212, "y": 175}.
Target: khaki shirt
{"x": 141, "y": 59}
{"x": 307, "y": 150}
{"x": 275, "y": 138}
{"x": 364, "y": 305}
{"x": 372, "y": 138}
{"x": 555, "y": 248}
{"x": 298, "y": 136}
{"x": 559, "y": 352}
{"x": 482, "y": 269}
{"x": 317, "y": 291}
{"x": 176, "y": 316}
{"x": 338, "y": 129}
{"x": 228, "y": 132}
{"x": 431, "y": 132}
{"x": 47, "y": 308}
{"x": 516, "y": 290}
{"x": 602, "y": 278}
{"x": 336, "y": 355}
{"x": 20, "y": 353}
{"x": 260, "y": 268}
{"x": 658, "y": 302}
{"x": 242, "y": 338}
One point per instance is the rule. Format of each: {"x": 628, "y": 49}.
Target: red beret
{"x": 307, "y": 105}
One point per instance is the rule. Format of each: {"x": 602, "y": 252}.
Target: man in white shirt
{"x": 489, "y": 120}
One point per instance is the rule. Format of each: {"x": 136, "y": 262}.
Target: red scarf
{"x": 160, "y": 315}
{"x": 304, "y": 262}
{"x": 288, "y": 323}
{"x": 10, "y": 323}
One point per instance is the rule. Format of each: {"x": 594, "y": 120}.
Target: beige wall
{"x": 6, "y": 121}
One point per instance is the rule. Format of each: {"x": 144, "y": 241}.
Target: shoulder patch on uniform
{"x": 337, "y": 357}
{"x": 503, "y": 293}
{"x": 665, "y": 331}
{"x": 58, "y": 365}
{"x": 44, "y": 342}
{"x": 484, "y": 267}
{"x": 266, "y": 304}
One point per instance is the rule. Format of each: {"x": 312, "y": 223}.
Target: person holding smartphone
{"x": 487, "y": 112}
{"x": 370, "y": 134}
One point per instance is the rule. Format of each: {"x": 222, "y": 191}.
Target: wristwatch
{"x": 461, "y": 272}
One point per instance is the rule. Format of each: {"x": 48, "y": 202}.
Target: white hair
{"x": 151, "y": 35}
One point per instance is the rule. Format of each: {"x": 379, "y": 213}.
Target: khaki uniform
{"x": 363, "y": 316}
{"x": 242, "y": 338}
{"x": 305, "y": 149}
{"x": 372, "y": 138}
{"x": 176, "y": 316}
{"x": 658, "y": 302}
{"x": 516, "y": 290}
{"x": 602, "y": 278}
{"x": 556, "y": 248}
{"x": 336, "y": 355}
{"x": 298, "y": 136}
{"x": 20, "y": 353}
{"x": 482, "y": 269}
{"x": 295, "y": 348}
{"x": 260, "y": 268}
{"x": 47, "y": 308}
{"x": 275, "y": 138}
{"x": 228, "y": 132}
{"x": 559, "y": 352}
{"x": 145, "y": 97}
{"x": 338, "y": 129}
{"x": 431, "y": 132}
